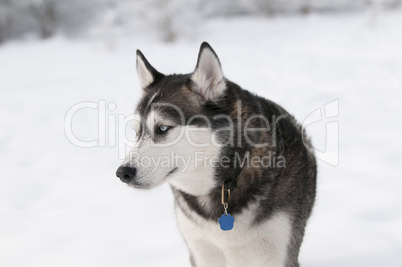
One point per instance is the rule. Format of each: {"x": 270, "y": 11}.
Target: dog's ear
{"x": 147, "y": 74}
{"x": 208, "y": 80}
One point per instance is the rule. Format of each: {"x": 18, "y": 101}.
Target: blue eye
{"x": 162, "y": 129}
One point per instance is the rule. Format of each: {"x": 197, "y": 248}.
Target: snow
{"x": 61, "y": 205}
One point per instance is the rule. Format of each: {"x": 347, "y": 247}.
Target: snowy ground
{"x": 61, "y": 205}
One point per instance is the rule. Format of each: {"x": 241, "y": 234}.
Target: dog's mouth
{"x": 150, "y": 186}
{"x": 170, "y": 173}
{"x": 164, "y": 179}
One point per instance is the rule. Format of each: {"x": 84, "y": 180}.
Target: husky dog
{"x": 229, "y": 155}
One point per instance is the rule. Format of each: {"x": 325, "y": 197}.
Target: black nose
{"x": 126, "y": 174}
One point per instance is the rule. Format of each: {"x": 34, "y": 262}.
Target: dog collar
{"x": 230, "y": 184}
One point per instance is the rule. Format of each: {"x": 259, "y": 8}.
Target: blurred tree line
{"x": 167, "y": 19}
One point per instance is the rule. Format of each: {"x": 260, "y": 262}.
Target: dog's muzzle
{"x": 126, "y": 174}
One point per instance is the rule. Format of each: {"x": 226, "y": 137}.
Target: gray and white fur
{"x": 202, "y": 118}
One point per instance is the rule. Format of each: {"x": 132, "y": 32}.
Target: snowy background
{"x": 61, "y": 205}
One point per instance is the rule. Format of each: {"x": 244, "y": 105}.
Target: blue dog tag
{"x": 226, "y": 222}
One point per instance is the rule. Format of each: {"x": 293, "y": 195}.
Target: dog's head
{"x": 175, "y": 122}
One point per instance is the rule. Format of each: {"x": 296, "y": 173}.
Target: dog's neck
{"x": 209, "y": 206}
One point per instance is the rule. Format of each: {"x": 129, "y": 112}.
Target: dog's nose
{"x": 126, "y": 174}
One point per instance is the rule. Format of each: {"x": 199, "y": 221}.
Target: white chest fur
{"x": 249, "y": 245}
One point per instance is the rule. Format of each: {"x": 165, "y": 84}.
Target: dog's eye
{"x": 162, "y": 129}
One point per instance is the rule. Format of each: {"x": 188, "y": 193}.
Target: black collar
{"x": 230, "y": 184}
